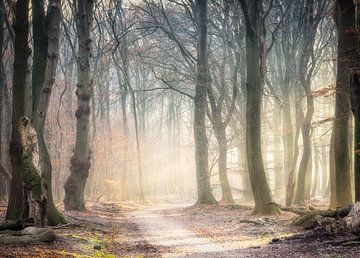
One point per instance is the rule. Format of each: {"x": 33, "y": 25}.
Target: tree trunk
{"x": 288, "y": 143}
{"x": 5, "y": 176}
{"x": 316, "y": 181}
{"x": 205, "y": 196}
{"x": 346, "y": 41}
{"x": 34, "y": 185}
{"x": 324, "y": 169}
{"x": 40, "y": 43}
{"x": 277, "y": 161}
{"x": 43, "y": 100}
{"x": 304, "y": 174}
{"x": 290, "y": 186}
{"x": 355, "y": 100}
{"x": 227, "y": 196}
{"x": 80, "y": 162}
{"x": 16, "y": 205}
{"x": 254, "y": 90}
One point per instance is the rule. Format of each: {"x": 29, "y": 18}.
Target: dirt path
{"x": 160, "y": 229}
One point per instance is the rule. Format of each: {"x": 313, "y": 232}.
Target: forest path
{"x": 160, "y": 229}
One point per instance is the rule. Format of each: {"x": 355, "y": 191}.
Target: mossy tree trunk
{"x": 16, "y": 205}
{"x": 205, "y": 196}
{"x": 34, "y": 185}
{"x": 80, "y": 161}
{"x": 254, "y": 90}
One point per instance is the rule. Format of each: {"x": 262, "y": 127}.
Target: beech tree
{"x": 46, "y": 29}
{"x": 16, "y": 205}
{"x": 344, "y": 15}
{"x": 254, "y": 89}
{"x": 205, "y": 195}
{"x": 80, "y": 162}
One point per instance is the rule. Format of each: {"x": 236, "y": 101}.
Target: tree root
{"x": 291, "y": 209}
{"x": 16, "y": 225}
{"x": 309, "y": 219}
{"x": 28, "y": 235}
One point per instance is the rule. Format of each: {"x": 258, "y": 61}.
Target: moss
{"x": 31, "y": 178}
{"x": 101, "y": 254}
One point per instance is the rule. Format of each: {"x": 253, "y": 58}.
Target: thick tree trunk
{"x": 16, "y": 205}
{"x": 355, "y": 100}
{"x": 254, "y": 90}
{"x": 34, "y": 185}
{"x": 80, "y": 162}
{"x": 40, "y": 43}
{"x": 205, "y": 196}
{"x": 5, "y": 176}
{"x": 43, "y": 100}
{"x": 332, "y": 180}
{"x": 342, "y": 106}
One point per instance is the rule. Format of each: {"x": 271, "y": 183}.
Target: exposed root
{"x": 28, "y": 235}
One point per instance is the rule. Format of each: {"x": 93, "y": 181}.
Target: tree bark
{"x": 43, "y": 100}
{"x": 342, "y": 16}
{"x": 205, "y": 196}
{"x": 80, "y": 161}
{"x": 227, "y": 196}
{"x": 304, "y": 174}
{"x": 16, "y": 205}
{"x": 254, "y": 90}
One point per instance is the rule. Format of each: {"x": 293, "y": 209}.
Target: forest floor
{"x": 155, "y": 230}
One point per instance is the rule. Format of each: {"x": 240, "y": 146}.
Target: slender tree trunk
{"x": 277, "y": 161}
{"x": 304, "y": 174}
{"x": 227, "y": 196}
{"x": 290, "y": 186}
{"x": 205, "y": 195}
{"x": 80, "y": 162}
{"x": 16, "y": 205}
{"x": 324, "y": 169}
{"x": 316, "y": 181}
{"x": 288, "y": 144}
{"x": 138, "y": 154}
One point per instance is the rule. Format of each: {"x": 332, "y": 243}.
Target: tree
{"x": 205, "y": 195}
{"x": 4, "y": 174}
{"x": 80, "y": 162}
{"x": 344, "y": 19}
{"x": 349, "y": 9}
{"x": 313, "y": 13}
{"x": 16, "y": 206}
{"x": 254, "y": 89}
{"x": 46, "y": 30}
